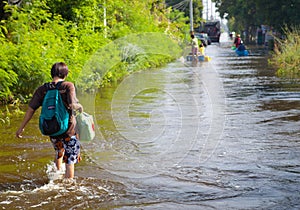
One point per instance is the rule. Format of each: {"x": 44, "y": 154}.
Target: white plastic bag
{"x": 85, "y": 126}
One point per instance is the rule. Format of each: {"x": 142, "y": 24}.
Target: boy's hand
{"x": 80, "y": 109}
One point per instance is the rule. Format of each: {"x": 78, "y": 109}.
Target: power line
{"x": 181, "y": 5}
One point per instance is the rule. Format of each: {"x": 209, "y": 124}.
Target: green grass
{"x": 286, "y": 56}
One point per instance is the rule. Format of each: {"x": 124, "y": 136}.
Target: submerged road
{"x": 222, "y": 134}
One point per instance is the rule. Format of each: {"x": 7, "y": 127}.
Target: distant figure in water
{"x": 237, "y": 41}
{"x": 194, "y": 47}
{"x": 241, "y": 47}
{"x": 202, "y": 49}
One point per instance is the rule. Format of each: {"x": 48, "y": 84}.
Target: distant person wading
{"x": 237, "y": 41}
{"x": 195, "y": 47}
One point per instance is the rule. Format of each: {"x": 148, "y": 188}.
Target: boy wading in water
{"x": 66, "y": 145}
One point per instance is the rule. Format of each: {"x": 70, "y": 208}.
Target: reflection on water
{"x": 217, "y": 135}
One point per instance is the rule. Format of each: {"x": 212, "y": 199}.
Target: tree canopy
{"x": 248, "y": 15}
{"x": 35, "y": 34}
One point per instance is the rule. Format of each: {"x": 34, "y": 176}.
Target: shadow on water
{"x": 216, "y": 135}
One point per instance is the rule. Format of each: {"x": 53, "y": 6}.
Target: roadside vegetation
{"x": 283, "y": 17}
{"x": 245, "y": 17}
{"x": 36, "y": 34}
{"x": 286, "y": 57}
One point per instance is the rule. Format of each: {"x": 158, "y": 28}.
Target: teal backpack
{"x": 54, "y": 118}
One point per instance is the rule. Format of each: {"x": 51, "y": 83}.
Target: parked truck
{"x": 213, "y": 30}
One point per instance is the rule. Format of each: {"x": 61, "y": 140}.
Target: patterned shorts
{"x": 68, "y": 148}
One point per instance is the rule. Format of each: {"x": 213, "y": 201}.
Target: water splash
{"x": 54, "y": 174}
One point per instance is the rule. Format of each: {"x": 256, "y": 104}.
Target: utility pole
{"x": 207, "y": 10}
{"x": 191, "y": 17}
{"x": 104, "y": 20}
{"x": 211, "y": 10}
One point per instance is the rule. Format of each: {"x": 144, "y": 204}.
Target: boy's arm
{"x": 73, "y": 101}
{"x": 27, "y": 118}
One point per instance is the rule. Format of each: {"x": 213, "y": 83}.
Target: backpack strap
{"x": 51, "y": 86}
{"x": 58, "y": 84}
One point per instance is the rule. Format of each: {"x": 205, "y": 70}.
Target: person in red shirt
{"x": 237, "y": 41}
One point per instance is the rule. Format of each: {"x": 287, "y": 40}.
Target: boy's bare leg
{"x": 58, "y": 163}
{"x": 69, "y": 171}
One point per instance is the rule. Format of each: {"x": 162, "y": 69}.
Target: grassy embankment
{"x": 286, "y": 56}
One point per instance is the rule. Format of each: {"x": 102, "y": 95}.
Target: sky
{"x": 209, "y": 10}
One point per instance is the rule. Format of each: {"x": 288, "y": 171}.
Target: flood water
{"x": 222, "y": 134}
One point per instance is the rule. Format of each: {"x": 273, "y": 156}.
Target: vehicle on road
{"x": 213, "y": 30}
{"x": 204, "y": 38}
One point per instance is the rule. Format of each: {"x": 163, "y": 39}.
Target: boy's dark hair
{"x": 60, "y": 70}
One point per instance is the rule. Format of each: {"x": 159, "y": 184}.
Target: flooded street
{"x": 222, "y": 134}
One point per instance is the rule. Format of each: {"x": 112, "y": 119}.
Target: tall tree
{"x": 247, "y": 15}
{"x": 279, "y": 12}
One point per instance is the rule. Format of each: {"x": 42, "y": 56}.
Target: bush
{"x": 286, "y": 56}
{"x": 36, "y": 36}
